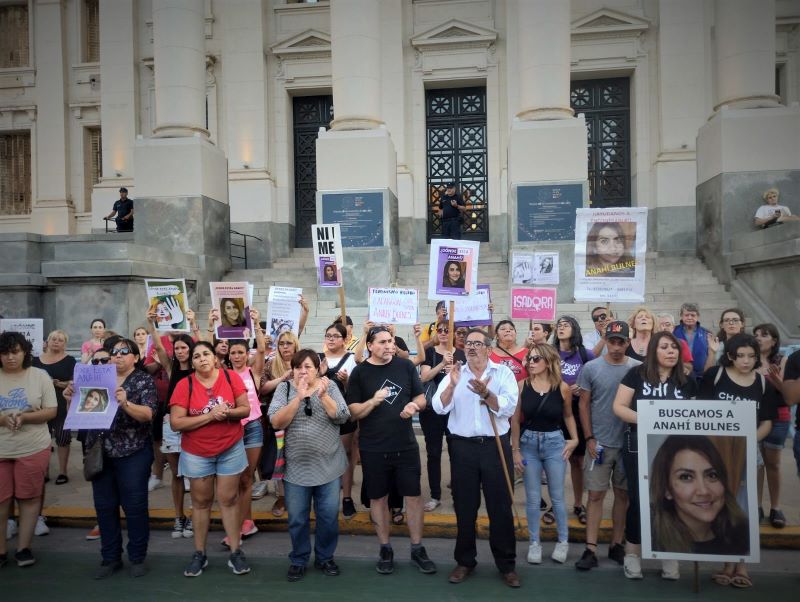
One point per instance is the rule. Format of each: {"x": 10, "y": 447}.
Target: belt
{"x": 480, "y": 440}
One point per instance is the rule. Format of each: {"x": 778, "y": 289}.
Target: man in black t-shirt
{"x": 791, "y": 395}
{"x": 123, "y": 210}
{"x": 451, "y": 207}
{"x": 383, "y": 393}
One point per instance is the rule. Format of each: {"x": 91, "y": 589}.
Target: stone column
{"x": 355, "y": 62}
{"x": 180, "y": 68}
{"x": 52, "y": 211}
{"x": 543, "y": 30}
{"x": 744, "y": 40}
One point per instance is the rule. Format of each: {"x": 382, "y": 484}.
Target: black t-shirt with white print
{"x": 765, "y": 397}
{"x": 383, "y": 430}
{"x": 665, "y": 390}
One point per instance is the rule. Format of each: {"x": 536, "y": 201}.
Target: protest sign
{"x": 610, "y": 249}
{"x": 453, "y": 268}
{"x": 697, "y": 480}
{"x": 474, "y": 310}
{"x": 31, "y": 328}
{"x": 537, "y": 304}
{"x": 328, "y": 256}
{"x": 393, "y": 305}
{"x": 283, "y": 310}
{"x": 169, "y": 300}
{"x": 539, "y": 267}
{"x": 231, "y": 300}
{"x": 94, "y": 403}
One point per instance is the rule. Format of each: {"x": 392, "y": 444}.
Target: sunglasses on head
{"x": 100, "y": 360}
{"x": 123, "y": 351}
{"x": 375, "y": 331}
{"x": 307, "y": 409}
{"x": 599, "y": 317}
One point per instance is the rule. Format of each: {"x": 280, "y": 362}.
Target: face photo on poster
{"x": 231, "y": 299}
{"x": 610, "y": 250}
{"x": 328, "y": 255}
{"x": 328, "y": 272}
{"x": 31, "y": 328}
{"x": 697, "y": 480}
{"x": 94, "y": 404}
{"x": 93, "y": 399}
{"x": 453, "y": 268}
{"x": 168, "y": 299}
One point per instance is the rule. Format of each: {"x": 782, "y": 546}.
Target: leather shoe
{"x": 511, "y": 579}
{"x": 329, "y": 567}
{"x": 460, "y": 573}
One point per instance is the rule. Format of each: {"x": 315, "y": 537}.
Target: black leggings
{"x": 434, "y": 427}
{"x": 630, "y": 460}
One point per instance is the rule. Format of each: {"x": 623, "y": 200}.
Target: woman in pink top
{"x": 98, "y": 328}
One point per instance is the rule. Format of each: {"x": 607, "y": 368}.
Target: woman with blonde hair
{"x": 643, "y": 323}
{"x": 537, "y": 443}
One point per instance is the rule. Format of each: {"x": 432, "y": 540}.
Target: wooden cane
{"x": 505, "y": 466}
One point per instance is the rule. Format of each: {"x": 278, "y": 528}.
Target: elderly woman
{"x": 643, "y": 324}
{"x": 311, "y": 409}
{"x": 28, "y": 402}
{"x": 127, "y": 454}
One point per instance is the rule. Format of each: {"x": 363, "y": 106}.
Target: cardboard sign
{"x": 393, "y": 305}
{"x": 474, "y": 310}
{"x": 94, "y": 403}
{"x": 453, "y": 268}
{"x": 31, "y": 328}
{"x": 232, "y": 301}
{"x": 537, "y": 304}
{"x": 328, "y": 256}
{"x": 169, "y": 300}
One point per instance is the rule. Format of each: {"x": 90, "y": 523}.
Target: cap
{"x": 123, "y": 189}
{"x": 619, "y": 330}
{"x": 450, "y": 185}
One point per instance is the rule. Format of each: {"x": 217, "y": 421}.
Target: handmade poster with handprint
{"x": 168, "y": 300}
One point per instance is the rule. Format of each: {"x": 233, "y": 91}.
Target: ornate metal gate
{"x": 456, "y": 134}
{"x": 310, "y": 113}
{"x": 606, "y": 105}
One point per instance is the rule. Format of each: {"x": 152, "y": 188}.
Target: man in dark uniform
{"x": 123, "y": 209}
{"x": 451, "y": 208}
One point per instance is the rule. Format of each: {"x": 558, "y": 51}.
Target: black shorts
{"x": 382, "y": 469}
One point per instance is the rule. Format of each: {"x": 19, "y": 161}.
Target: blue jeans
{"x": 123, "y": 482}
{"x": 326, "y": 509}
{"x": 543, "y": 451}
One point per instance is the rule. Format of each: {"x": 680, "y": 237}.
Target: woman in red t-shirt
{"x": 207, "y": 408}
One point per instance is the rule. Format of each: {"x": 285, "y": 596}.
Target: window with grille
{"x": 15, "y": 174}
{"x": 91, "y": 37}
{"x": 94, "y": 163}
{"x": 13, "y": 36}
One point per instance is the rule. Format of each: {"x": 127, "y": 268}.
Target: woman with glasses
{"x": 438, "y": 362}
{"x": 537, "y": 443}
{"x": 507, "y": 351}
{"x": 207, "y": 408}
{"x": 731, "y": 323}
{"x": 127, "y": 455}
{"x": 310, "y": 408}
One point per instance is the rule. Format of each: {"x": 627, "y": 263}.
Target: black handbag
{"x": 93, "y": 461}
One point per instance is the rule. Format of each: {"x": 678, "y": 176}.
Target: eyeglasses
{"x": 333, "y": 337}
{"x": 123, "y": 351}
{"x": 100, "y": 360}
{"x": 442, "y": 330}
{"x": 307, "y": 409}
{"x": 474, "y": 344}
{"x": 731, "y": 321}
{"x": 599, "y": 318}
{"x": 535, "y": 359}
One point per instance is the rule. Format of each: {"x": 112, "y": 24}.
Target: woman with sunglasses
{"x": 438, "y": 362}
{"x": 537, "y": 443}
{"x": 507, "y": 351}
{"x": 207, "y": 408}
{"x": 310, "y": 408}
{"x": 127, "y": 455}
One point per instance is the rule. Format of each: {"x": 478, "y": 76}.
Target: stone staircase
{"x": 671, "y": 280}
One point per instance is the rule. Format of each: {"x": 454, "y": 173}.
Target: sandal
{"x": 397, "y": 516}
{"x": 741, "y": 581}
{"x": 279, "y": 507}
{"x": 62, "y": 478}
{"x": 721, "y": 578}
{"x": 776, "y": 518}
{"x": 548, "y": 518}
{"x": 580, "y": 512}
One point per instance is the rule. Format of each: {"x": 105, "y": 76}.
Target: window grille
{"x": 15, "y": 174}
{"x": 94, "y": 163}
{"x": 13, "y": 36}
{"x": 92, "y": 34}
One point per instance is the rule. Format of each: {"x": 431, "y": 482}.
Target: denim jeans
{"x": 543, "y": 451}
{"x": 326, "y": 509}
{"x": 123, "y": 482}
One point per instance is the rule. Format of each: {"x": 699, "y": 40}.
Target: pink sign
{"x": 537, "y": 304}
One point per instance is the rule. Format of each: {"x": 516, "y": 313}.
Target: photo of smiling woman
{"x": 608, "y": 250}
{"x": 453, "y": 275}
{"x": 93, "y": 400}
{"x": 692, "y": 499}
{"x": 232, "y": 313}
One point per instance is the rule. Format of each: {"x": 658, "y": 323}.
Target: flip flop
{"x": 741, "y": 581}
{"x": 580, "y": 512}
{"x": 61, "y": 479}
{"x": 721, "y": 578}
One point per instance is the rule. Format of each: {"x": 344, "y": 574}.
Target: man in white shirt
{"x": 771, "y": 212}
{"x": 468, "y": 393}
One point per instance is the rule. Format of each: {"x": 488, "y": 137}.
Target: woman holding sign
{"x": 28, "y": 402}
{"x": 661, "y": 376}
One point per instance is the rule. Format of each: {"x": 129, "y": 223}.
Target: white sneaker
{"x": 560, "y": 552}
{"x": 11, "y": 528}
{"x": 670, "y": 570}
{"x": 632, "y": 566}
{"x": 153, "y": 483}
{"x": 535, "y": 553}
{"x": 41, "y": 527}
{"x": 431, "y": 505}
{"x": 259, "y": 490}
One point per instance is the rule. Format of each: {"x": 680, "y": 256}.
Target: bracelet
{"x": 590, "y": 437}
{"x": 209, "y": 330}
{"x": 514, "y": 449}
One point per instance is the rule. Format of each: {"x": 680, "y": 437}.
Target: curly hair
{"x": 11, "y": 342}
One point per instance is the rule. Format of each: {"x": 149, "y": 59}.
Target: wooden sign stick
{"x": 451, "y": 324}
{"x": 342, "y": 305}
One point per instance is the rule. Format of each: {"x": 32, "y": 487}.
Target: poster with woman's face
{"x": 231, "y": 300}
{"x": 93, "y": 404}
{"x": 697, "y": 480}
{"x": 453, "y": 268}
{"x": 168, "y": 299}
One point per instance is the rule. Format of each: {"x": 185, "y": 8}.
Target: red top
{"x": 215, "y": 437}
{"x": 160, "y": 376}
{"x": 686, "y": 354}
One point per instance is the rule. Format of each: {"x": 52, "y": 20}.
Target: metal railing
{"x": 242, "y": 246}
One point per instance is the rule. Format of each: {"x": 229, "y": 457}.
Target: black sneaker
{"x": 329, "y": 568}
{"x": 348, "y": 508}
{"x": 196, "y": 566}
{"x": 107, "y": 569}
{"x": 419, "y": 558}
{"x": 24, "y": 557}
{"x": 296, "y": 572}
{"x": 587, "y": 561}
{"x": 138, "y": 569}
{"x": 238, "y": 563}
{"x": 177, "y": 527}
{"x": 617, "y": 553}
{"x": 385, "y": 565}
{"x": 3, "y": 560}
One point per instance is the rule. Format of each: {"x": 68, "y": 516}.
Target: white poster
{"x": 31, "y": 328}
{"x": 393, "y": 305}
{"x": 328, "y": 255}
{"x": 453, "y": 268}
{"x": 697, "y": 480}
{"x": 539, "y": 267}
{"x": 283, "y": 310}
{"x": 610, "y": 249}
{"x": 474, "y": 310}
